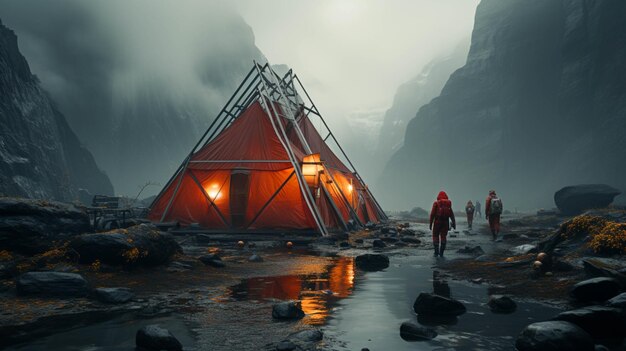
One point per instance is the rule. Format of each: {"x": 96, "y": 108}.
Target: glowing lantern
{"x": 289, "y": 244}
{"x": 240, "y": 244}
{"x": 213, "y": 191}
{"x": 350, "y": 187}
{"x": 311, "y": 168}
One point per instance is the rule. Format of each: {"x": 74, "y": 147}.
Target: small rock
{"x": 599, "y": 321}
{"x": 287, "y": 310}
{"x": 372, "y": 262}
{"x": 523, "y": 249}
{"x": 114, "y": 295}
{"x": 308, "y": 335}
{"x": 432, "y": 304}
{"x": 618, "y": 301}
{"x": 476, "y": 250}
{"x": 595, "y": 289}
{"x": 52, "y": 284}
{"x": 358, "y": 241}
{"x": 255, "y": 258}
{"x": 501, "y": 304}
{"x": 344, "y": 244}
{"x": 212, "y": 260}
{"x": 285, "y": 346}
{"x": 483, "y": 258}
{"x": 411, "y": 240}
{"x": 153, "y": 337}
{"x": 379, "y": 244}
{"x": 413, "y": 332}
{"x": 477, "y": 281}
{"x": 389, "y": 239}
{"x": 554, "y": 336}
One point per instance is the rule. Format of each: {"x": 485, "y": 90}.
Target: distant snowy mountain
{"x": 411, "y": 96}
{"x": 40, "y": 156}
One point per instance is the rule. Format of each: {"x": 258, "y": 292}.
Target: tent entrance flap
{"x": 239, "y": 190}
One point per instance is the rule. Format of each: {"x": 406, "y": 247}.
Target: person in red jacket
{"x": 493, "y": 210}
{"x": 440, "y": 216}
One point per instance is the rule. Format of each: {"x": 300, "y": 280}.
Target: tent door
{"x": 239, "y": 190}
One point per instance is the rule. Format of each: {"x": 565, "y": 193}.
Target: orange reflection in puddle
{"x": 316, "y": 292}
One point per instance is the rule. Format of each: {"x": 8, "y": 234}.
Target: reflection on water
{"x": 317, "y": 292}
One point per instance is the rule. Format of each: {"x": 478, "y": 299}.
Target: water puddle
{"x": 371, "y": 316}
{"x": 318, "y": 293}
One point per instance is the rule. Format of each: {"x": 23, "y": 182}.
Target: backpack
{"x": 444, "y": 209}
{"x": 495, "y": 206}
{"x": 469, "y": 209}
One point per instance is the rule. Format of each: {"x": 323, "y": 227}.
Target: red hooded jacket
{"x": 442, "y": 199}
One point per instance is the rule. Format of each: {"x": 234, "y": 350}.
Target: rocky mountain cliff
{"x": 138, "y": 91}
{"x": 412, "y": 95}
{"x": 540, "y": 103}
{"x": 40, "y": 156}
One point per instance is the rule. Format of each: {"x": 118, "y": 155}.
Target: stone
{"x": 433, "y": 304}
{"x": 476, "y": 250}
{"x": 411, "y": 240}
{"x": 391, "y": 240}
{"x": 177, "y": 266}
{"x": 358, "y": 241}
{"x": 413, "y": 332}
{"x": 501, "y": 304}
{"x": 601, "y": 348}
{"x": 255, "y": 258}
{"x": 554, "y": 336}
{"x": 483, "y": 258}
{"x": 114, "y": 295}
{"x": 285, "y": 346}
{"x": 372, "y": 262}
{"x": 523, "y": 249}
{"x": 344, "y": 244}
{"x": 141, "y": 245}
{"x": 595, "y": 289}
{"x": 287, "y": 310}
{"x": 154, "y": 337}
{"x": 57, "y": 284}
{"x": 308, "y": 335}
{"x": 31, "y": 226}
{"x": 573, "y": 200}
{"x": 599, "y": 321}
{"x": 212, "y": 260}
{"x": 379, "y": 244}
{"x": 618, "y": 301}
{"x": 605, "y": 267}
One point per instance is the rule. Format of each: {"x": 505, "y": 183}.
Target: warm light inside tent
{"x": 213, "y": 191}
{"x": 311, "y": 168}
{"x": 349, "y": 188}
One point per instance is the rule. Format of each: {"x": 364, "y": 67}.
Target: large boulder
{"x": 139, "y": 245}
{"x": 576, "y": 199}
{"x": 599, "y": 321}
{"x": 432, "y": 304}
{"x": 57, "y": 284}
{"x": 154, "y": 337}
{"x": 372, "y": 262}
{"x": 595, "y": 289}
{"x": 554, "y": 336}
{"x": 287, "y": 310}
{"x": 32, "y": 226}
{"x": 413, "y": 332}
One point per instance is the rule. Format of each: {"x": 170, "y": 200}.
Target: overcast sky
{"x": 353, "y": 54}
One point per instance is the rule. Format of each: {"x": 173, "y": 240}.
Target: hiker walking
{"x": 493, "y": 210}
{"x": 478, "y": 211}
{"x": 440, "y": 216}
{"x": 469, "y": 211}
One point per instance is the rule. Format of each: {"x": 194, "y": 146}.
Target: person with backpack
{"x": 440, "y": 216}
{"x": 469, "y": 211}
{"x": 493, "y": 210}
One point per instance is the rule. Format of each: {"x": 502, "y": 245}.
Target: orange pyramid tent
{"x": 262, "y": 166}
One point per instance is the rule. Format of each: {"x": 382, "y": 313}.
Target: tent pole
{"x": 182, "y": 175}
{"x": 339, "y": 145}
{"x": 208, "y": 198}
{"x": 270, "y": 200}
{"x": 284, "y": 141}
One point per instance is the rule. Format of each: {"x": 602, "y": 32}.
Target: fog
{"x": 138, "y": 81}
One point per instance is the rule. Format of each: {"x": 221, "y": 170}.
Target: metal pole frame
{"x": 258, "y": 214}
{"x": 315, "y": 110}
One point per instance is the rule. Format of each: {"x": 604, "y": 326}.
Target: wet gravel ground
{"x": 230, "y": 308}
